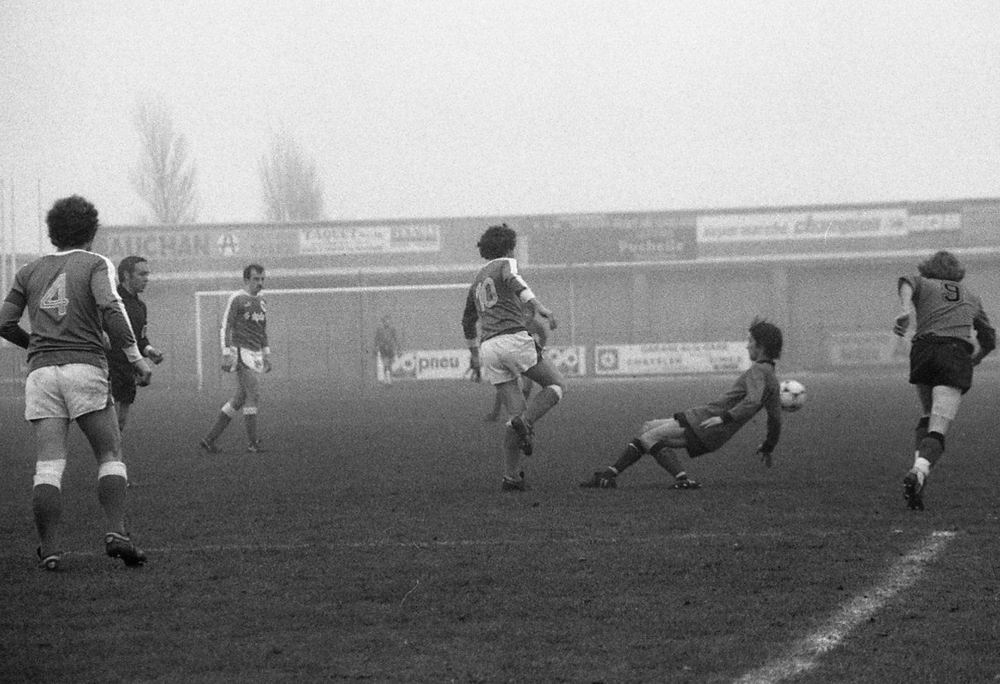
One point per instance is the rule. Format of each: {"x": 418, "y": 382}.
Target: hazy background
{"x": 454, "y": 108}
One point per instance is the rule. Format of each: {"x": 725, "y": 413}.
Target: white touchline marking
{"x": 805, "y": 654}
{"x": 693, "y": 537}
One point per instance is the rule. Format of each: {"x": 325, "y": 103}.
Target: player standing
{"x": 502, "y": 350}
{"x": 71, "y": 300}
{"x": 245, "y": 353}
{"x": 387, "y": 348}
{"x": 942, "y": 355}
{"x": 133, "y": 275}
{"x": 704, "y": 429}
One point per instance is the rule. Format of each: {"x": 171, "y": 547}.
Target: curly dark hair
{"x": 768, "y": 336}
{"x": 942, "y": 265}
{"x": 497, "y": 241}
{"x": 72, "y": 222}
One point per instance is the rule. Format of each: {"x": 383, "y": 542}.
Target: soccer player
{"x": 540, "y": 334}
{"x": 704, "y": 429}
{"x": 387, "y": 348}
{"x": 133, "y": 275}
{"x": 502, "y": 350}
{"x": 942, "y": 355}
{"x": 71, "y": 300}
{"x": 245, "y": 353}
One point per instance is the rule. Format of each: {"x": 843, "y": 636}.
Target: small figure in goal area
{"x": 536, "y": 327}
{"x": 501, "y": 350}
{"x": 133, "y": 275}
{"x": 387, "y": 349}
{"x": 942, "y": 355}
{"x": 704, "y": 429}
{"x": 245, "y": 355}
{"x": 71, "y": 300}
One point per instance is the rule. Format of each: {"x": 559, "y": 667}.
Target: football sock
{"x": 112, "y": 483}
{"x": 221, "y": 423}
{"x": 46, "y": 504}
{"x": 666, "y": 458}
{"x": 250, "y": 421}
{"x": 542, "y": 402}
{"x": 511, "y": 455}
{"x": 919, "y": 433}
{"x": 632, "y": 453}
{"x": 931, "y": 447}
{"x": 923, "y": 468}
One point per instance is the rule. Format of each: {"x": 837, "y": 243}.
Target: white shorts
{"x": 67, "y": 391}
{"x": 505, "y": 357}
{"x": 254, "y": 360}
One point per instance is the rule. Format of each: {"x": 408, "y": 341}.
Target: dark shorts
{"x": 941, "y": 361}
{"x": 695, "y": 447}
{"x": 122, "y": 380}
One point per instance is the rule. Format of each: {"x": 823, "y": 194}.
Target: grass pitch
{"x": 371, "y": 542}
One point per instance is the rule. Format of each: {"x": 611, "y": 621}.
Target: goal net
{"x": 329, "y": 333}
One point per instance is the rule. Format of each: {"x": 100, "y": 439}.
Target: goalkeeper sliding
{"x": 502, "y": 350}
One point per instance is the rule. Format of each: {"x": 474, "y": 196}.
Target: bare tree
{"x": 292, "y": 191}
{"x": 165, "y": 176}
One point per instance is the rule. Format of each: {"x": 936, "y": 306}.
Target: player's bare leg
{"x": 121, "y": 409}
{"x": 251, "y": 388}
{"x": 46, "y": 496}
{"x": 940, "y": 406}
{"x": 101, "y": 429}
{"x": 661, "y": 438}
{"x": 553, "y": 386}
{"x": 513, "y": 476}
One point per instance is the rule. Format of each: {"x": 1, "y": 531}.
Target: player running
{"x": 704, "y": 429}
{"x": 539, "y": 332}
{"x": 245, "y": 353}
{"x": 942, "y": 355}
{"x": 502, "y": 350}
{"x": 71, "y": 300}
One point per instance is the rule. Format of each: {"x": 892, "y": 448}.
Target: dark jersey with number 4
{"x": 71, "y": 297}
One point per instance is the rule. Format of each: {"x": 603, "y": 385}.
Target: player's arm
{"x": 905, "y": 315}
{"x": 10, "y": 320}
{"x": 773, "y": 433}
{"x": 139, "y": 316}
{"x": 986, "y": 336}
{"x": 116, "y": 320}
{"x": 10, "y": 314}
{"x": 470, "y": 316}
{"x": 226, "y": 334}
{"x": 266, "y": 349}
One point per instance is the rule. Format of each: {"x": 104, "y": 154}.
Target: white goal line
{"x": 351, "y": 289}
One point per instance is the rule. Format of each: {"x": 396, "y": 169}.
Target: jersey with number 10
{"x": 495, "y": 300}
{"x": 71, "y": 297}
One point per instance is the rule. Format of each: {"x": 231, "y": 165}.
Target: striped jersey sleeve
{"x": 244, "y": 322}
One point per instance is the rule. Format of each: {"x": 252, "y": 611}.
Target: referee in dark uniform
{"x": 133, "y": 275}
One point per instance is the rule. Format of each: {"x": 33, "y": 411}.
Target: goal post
{"x": 328, "y": 332}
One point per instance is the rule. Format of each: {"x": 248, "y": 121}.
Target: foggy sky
{"x": 457, "y": 108}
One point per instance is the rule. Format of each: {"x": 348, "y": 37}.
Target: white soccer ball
{"x": 793, "y": 395}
